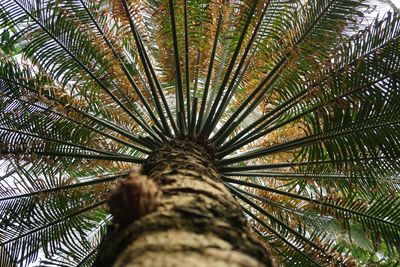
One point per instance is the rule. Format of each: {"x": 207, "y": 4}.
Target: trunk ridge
{"x": 197, "y": 223}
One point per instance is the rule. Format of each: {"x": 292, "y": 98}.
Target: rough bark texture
{"x": 198, "y": 222}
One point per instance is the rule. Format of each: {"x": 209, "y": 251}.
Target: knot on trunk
{"x": 133, "y": 198}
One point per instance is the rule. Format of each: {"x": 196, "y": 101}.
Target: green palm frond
{"x": 300, "y": 112}
{"x": 47, "y": 211}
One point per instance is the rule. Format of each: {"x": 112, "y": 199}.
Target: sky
{"x": 396, "y": 3}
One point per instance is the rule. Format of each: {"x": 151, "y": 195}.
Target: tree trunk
{"x": 198, "y": 221}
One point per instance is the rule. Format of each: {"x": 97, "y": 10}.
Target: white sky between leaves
{"x": 396, "y": 3}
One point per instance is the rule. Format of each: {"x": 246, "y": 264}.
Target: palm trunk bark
{"x": 198, "y": 222}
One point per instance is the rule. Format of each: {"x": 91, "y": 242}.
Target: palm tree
{"x": 229, "y": 133}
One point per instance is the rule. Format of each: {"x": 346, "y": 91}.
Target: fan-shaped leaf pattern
{"x": 300, "y": 110}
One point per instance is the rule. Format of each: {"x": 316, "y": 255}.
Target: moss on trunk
{"x": 198, "y": 222}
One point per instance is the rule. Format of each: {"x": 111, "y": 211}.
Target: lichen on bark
{"x": 197, "y": 223}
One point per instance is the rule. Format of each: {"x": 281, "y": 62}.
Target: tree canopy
{"x": 298, "y": 103}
